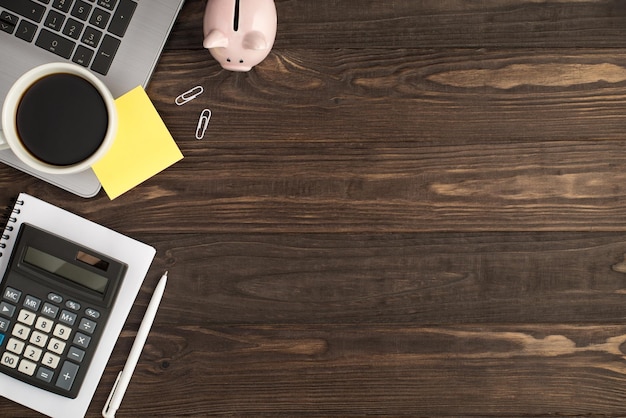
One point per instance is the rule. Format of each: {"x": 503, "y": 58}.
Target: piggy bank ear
{"x": 254, "y": 40}
{"x": 215, "y": 39}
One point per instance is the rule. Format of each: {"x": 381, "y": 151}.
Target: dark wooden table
{"x": 410, "y": 208}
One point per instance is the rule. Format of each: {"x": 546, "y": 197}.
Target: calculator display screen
{"x": 65, "y": 270}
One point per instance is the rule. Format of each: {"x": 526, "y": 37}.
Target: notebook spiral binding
{"x": 11, "y": 218}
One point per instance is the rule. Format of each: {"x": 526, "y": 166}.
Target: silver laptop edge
{"x": 133, "y": 65}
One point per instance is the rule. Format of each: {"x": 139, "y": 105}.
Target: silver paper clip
{"x": 203, "y": 123}
{"x": 189, "y": 95}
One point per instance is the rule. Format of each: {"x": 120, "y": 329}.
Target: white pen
{"x": 123, "y": 378}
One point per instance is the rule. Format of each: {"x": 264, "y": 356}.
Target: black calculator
{"x": 56, "y": 297}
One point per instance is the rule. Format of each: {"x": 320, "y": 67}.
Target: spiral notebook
{"x": 136, "y": 255}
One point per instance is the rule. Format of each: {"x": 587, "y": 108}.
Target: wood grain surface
{"x": 410, "y": 208}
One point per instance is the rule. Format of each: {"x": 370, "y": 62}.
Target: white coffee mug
{"x": 58, "y": 118}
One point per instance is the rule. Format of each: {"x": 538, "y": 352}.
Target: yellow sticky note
{"x": 143, "y": 146}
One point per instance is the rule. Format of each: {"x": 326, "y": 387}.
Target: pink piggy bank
{"x": 239, "y": 33}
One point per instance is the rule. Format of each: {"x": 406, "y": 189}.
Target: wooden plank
{"x": 434, "y": 279}
{"x": 433, "y": 23}
{"x": 390, "y": 370}
{"x": 413, "y": 144}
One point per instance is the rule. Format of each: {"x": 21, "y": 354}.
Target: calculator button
{"x": 70, "y": 304}
{"x": 27, "y": 367}
{"x": 32, "y": 302}
{"x": 15, "y": 346}
{"x": 53, "y": 297}
{"x": 67, "y": 375}
{"x": 21, "y": 331}
{"x": 44, "y": 324}
{"x": 50, "y": 360}
{"x": 10, "y": 360}
{"x": 75, "y": 354}
{"x": 4, "y": 325}
{"x": 32, "y": 353}
{"x": 38, "y": 339}
{"x": 49, "y": 310}
{"x": 92, "y": 313}
{"x": 87, "y": 326}
{"x": 7, "y": 309}
{"x": 62, "y": 331}
{"x": 81, "y": 340}
{"x": 56, "y": 346}
{"x": 26, "y": 317}
{"x": 45, "y": 374}
{"x": 12, "y": 294}
{"x": 67, "y": 317}
{"x": 1, "y": 338}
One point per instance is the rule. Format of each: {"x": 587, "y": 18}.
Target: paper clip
{"x": 203, "y": 123}
{"x": 189, "y": 95}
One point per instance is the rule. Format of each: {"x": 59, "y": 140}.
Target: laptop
{"x": 120, "y": 41}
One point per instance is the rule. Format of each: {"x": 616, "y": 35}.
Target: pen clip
{"x": 189, "y": 95}
{"x": 107, "y": 411}
{"x": 203, "y": 123}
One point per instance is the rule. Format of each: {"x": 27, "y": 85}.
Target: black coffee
{"x": 62, "y": 119}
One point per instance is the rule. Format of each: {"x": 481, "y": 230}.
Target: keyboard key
{"x": 10, "y": 360}
{"x": 7, "y": 309}
{"x": 32, "y": 353}
{"x": 12, "y": 294}
{"x": 56, "y": 346}
{"x": 45, "y": 374}
{"x": 43, "y": 324}
{"x": 67, "y": 317}
{"x": 92, "y": 313}
{"x": 10, "y": 19}
{"x": 15, "y": 346}
{"x": 87, "y": 325}
{"x": 122, "y": 16}
{"x": 27, "y": 367}
{"x": 53, "y": 297}
{"x": 26, "y": 316}
{"x": 62, "y": 331}
{"x": 54, "y": 43}
{"x": 67, "y": 375}
{"x": 63, "y": 5}
{"x": 73, "y": 305}
{"x": 49, "y": 310}
{"x": 107, "y": 4}
{"x": 100, "y": 18}
{"x": 73, "y": 28}
{"x": 21, "y": 331}
{"x": 81, "y": 10}
{"x": 6, "y": 27}
{"x": 26, "y": 8}
{"x": 108, "y": 48}
{"x": 54, "y": 20}
{"x": 26, "y": 31}
{"x": 4, "y": 326}
{"x": 82, "y": 56}
{"x": 32, "y": 302}
{"x": 75, "y": 354}
{"x": 91, "y": 38}
{"x": 81, "y": 340}
{"x": 105, "y": 55}
{"x": 50, "y": 360}
{"x": 38, "y": 339}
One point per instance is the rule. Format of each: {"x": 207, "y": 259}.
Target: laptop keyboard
{"x": 87, "y": 32}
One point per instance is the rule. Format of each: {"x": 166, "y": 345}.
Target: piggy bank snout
{"x": 239, "y": 34}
